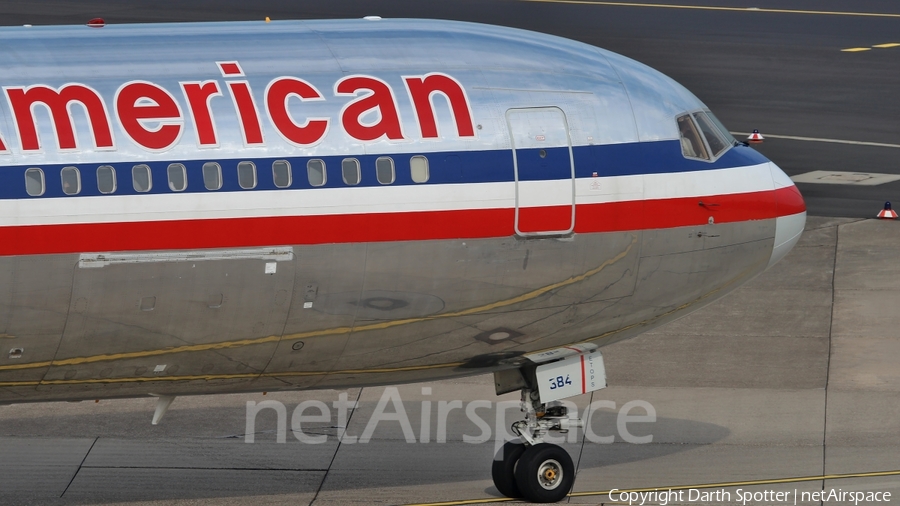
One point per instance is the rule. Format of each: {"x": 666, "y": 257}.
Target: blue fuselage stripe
{"x": 490, "y": 166}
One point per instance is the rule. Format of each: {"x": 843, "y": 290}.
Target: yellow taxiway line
{"x": 717, "y": 8}
{"x": 727, "y": 484}
{"x": 876, "y": 46}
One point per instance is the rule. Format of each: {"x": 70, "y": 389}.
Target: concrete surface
{"x": 792, "y": 375}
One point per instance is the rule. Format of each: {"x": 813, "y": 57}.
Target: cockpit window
{"x": 725, "y": 133}
{"x": 703, "y": 136}
{"x": 714, "y": 138}
{"x": 691, "y": 143}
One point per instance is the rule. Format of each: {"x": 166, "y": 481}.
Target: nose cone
{"x": 790, "y": 212}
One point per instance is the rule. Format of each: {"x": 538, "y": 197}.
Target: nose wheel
{"x": 545, "y": 473}
{"x": 503, "y": 470}
{"x": 541, "y": 473}
{"x": 533, "y": 469}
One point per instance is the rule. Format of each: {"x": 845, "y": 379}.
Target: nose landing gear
{"x": 538, "y": 471}
{"x": 530, "y": 467}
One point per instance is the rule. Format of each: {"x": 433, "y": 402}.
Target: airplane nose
{"x": 790, "y": 212}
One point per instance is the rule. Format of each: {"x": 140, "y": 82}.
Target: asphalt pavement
{"x": 774, "y": 65}
{"x": 791, "y": 376}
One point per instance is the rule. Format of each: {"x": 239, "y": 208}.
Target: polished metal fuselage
{"x": 381, "y": 313}
{"x": 111, "y": 323}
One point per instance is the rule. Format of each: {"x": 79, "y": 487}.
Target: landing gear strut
{"x": 531, "y": 468}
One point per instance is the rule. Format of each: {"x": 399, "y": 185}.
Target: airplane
{"x": 209, "y": 208}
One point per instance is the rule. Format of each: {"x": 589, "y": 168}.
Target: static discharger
{"x": 887, "y": 213}
{"x": 755, "y": 137}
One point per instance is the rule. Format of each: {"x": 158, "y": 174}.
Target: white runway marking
{"x": 817, "y": 139}
{"x": 838, "y": 177}
{"x": 716, "y": 8}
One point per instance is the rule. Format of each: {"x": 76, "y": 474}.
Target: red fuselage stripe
{"x": 381, "y": 227}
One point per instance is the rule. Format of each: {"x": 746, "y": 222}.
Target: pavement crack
{"x": 80, "y": 465}
{"x": 823, "y": 227}
{"x": 338, "y": 448}
{"x": 837, "y": 239}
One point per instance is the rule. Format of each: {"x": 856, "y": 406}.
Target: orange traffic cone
{"x": 756, "y": 137}
{"x": 887, "y": 213}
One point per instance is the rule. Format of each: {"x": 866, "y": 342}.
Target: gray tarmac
{"x": 792, "y": 375}
{"x": 781, "y": 72}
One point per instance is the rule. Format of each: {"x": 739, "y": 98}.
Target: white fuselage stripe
{"x": 365, "y": 200}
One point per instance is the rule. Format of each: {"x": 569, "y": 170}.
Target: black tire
{"x": 504, "y": 467}
{"x": 545, "y": 473}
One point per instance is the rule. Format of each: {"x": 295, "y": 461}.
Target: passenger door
{"x": 544, "y": 171}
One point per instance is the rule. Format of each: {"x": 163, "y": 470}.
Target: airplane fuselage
{"x": 226, "y": 207}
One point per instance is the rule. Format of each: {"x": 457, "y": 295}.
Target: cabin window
{"x": 34, "y": 182}
{"x": 691, "y": 143}
{"x": 212, "y": 176}
{"x": 418, "y": 169}
{"x": 177, "y": 177}
{"x": 247, "y": 175}
{"x": 71, "y": 180}
{"x": 315, "y": 171}
{"x": 384, "y": 169}
{"x": 714, "y": 137}
{"x": 281, "y": 173}
{"x": 106, "y": 179}
{"x": 140, "y": 178}
{"x": 350, "y": 171}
